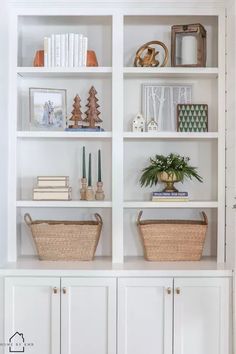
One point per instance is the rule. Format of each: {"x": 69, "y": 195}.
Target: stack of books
{"x": 170, "y": 197}
{"x": 65, "y": 50}
{"x": 52, "y": 188}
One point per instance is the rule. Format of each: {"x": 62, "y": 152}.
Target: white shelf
{"x": 101, "y": 266}
{"x": 63, "y": 72}
{"x": 63, "y": 204}
{"x": 166, "y": 72}
{"x": 171, "y": 135}
{"x": 63, "y": 135}
{"x": 153, "y": 205}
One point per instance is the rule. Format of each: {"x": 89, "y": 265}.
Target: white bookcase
{"x": 114, "y": 33}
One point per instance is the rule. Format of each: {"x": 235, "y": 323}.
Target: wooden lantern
{"x": 188, "y": 45}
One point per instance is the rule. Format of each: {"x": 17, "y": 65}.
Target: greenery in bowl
{"x": 176, "y": 167}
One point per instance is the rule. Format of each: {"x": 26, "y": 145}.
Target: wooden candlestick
{"x": 83, "y": 189}
{"x": 90, "y": 193}
{"x": 99, "y": 192}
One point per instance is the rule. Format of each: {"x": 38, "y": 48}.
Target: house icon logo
{"x": 17, "y": 342}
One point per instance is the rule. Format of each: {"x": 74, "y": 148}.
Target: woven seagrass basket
{"x": 173, "y": 240}
{"x": 65, "y": 240}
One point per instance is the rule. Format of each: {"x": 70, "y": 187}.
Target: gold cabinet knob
{"x": 168, "y": 290}
{"x": 64, "y": 290}
{"x": 55, "y": 290}
{"x": 177, "y": 291}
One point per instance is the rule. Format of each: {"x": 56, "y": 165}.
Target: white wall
{"x": 3, "y": 125}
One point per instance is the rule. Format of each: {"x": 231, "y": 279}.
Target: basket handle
{"x": 204, "y": 217}
{"x": 28, "y": 219}
{"x": 98, "y": 218}
{"x": 139, "y": 217}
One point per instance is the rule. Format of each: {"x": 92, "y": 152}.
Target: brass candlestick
{"x": 90, "y": 193}
{"x": 83, "y": 189}
{"x": 99, "y": 192}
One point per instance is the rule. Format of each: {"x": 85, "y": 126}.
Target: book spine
{"x": 170, "y": 194}
{"x": 57, "y": 50}
{"x": 53, "y": 50}
{"x": 49, "y": 52}
{"x": 52, "y": 189}
{"x": 52, "y": 184}
{"x": 170, "y": 200}
{"x": 71, "y": 49}
{"x": 49, "y": 178}
{"x": 76, "y": 50}
{"x": 67, "y": 50}
{"x": 45, "y": 47}
{"x": 51, "y": 196}
{"x": 63, "y": 50}
{"x": 80, "y": 50}
{"x": 85, "y": 48}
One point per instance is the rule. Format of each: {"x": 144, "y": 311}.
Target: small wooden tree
{"x": 92, "y": 113}
{"x": 76, "y": 117}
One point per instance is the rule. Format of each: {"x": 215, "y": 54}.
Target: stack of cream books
{"x": 52, "y": 188}
{"x": 65, "y": 50}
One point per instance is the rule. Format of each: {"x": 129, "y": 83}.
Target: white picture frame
{"x": 47, "y": 108}
{"x": 159, "y": 102}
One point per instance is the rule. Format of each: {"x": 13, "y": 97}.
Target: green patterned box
{"x": 192, "y": 117}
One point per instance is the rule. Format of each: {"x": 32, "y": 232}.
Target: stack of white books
{"x": 52, "y": 188}
{"x": 65, "y": 50}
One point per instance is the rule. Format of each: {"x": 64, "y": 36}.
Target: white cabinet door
{"x": 88, "y": 316}
{"x": 201, "y": 316}
{"x": 32, "y": 314}
{"x": 145, "y": 316}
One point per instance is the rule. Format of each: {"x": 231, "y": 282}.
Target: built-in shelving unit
{"x": 115, "y": 37}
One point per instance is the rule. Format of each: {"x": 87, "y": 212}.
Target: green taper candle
{"x": 84, "y": 165}
{"x": 99, "y": 166}
{"x": 90, "y": 172}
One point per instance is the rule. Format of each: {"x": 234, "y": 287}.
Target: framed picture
{"x": 47, "y": 109}
{"x": 192, "y": 117}
{"x": 159, "y": 103}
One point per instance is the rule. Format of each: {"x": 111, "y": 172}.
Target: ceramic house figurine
{"x": 138, "y": 124}
{"x": 152, "y": 126}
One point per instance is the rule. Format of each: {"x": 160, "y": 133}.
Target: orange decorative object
{"x": 39, "y": 58}
{"x": 91, "y": 58}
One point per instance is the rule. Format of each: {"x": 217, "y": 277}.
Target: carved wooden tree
{"x": 76, "y": 113}
{"x": 92, "y": 113}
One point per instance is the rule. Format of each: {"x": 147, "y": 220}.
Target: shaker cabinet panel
{"x": 88, "y": 316}
{"x": 201, "y": 316}
{"x": 32, "y": 315}
{"x": 145, "y": 316}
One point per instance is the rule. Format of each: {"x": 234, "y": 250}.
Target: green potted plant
{"x": 169, "y": 169}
